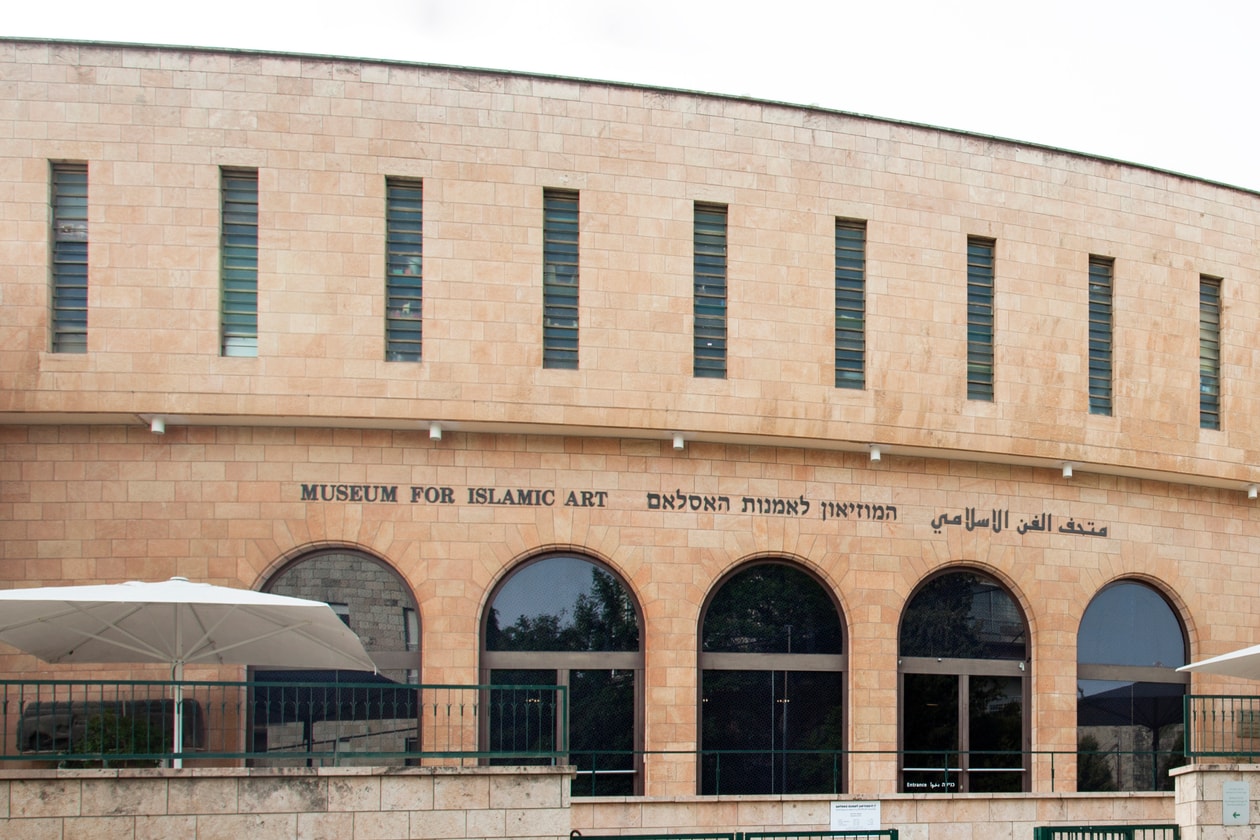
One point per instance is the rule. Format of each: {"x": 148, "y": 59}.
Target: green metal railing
{"x": 1107, "y": 832}
{"x": 725, "y": 835}
{"x": 890, "y": 833}
{"x": 1222, "y": 725}
{"x": 280, "y": 723}
{"x": 296, "y": 723}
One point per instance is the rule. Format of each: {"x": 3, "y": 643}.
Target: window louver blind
{"x": 560, "y": 279}
{"x": 709, "y": 236}
{"x": 240, "y": 262}
{"x": 850, "y": 304}
{"x": 1100, "y": 329}
{"x": 980, "y": 319}
{"x": 1209, "y": 353}
{"x": 69, "y": 258}
{"x": 404, "y": 285}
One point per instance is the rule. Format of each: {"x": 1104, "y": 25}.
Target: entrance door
{"x": 962, "y": 733}
{"x": 769, "y": 732}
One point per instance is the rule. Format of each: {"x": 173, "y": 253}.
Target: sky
{"x": 1158, "y": 83}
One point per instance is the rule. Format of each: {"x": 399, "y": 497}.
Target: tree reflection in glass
{"x": 962, "y": 701}
{"x": 560, "y": 611}
{"x": 771, "y": 716}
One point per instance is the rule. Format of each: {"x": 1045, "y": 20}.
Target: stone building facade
{"x": 674, "y": 336}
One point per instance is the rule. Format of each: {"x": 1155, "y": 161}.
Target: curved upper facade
{"x": 324, "y": 138}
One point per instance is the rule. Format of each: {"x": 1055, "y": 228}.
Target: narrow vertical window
{"x": 709, "y": 237}
{"x": 403, "y": 278}
{"x": 560, "y": 279}
{"x": 1101, "y": 270}
{"x": 1209, "y": 352}
{"x": 980, "y": 319}
{"x": 239, "y": 247}
{"x": 850, "y": 304}
{"x": 69, "y": 258}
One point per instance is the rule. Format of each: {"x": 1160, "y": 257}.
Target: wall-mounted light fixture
{"x": 1253, "y": 491}
{"x": 1067, "y": 470}
{"x": 875, "y": 454}
{"x": 679, "y": 443}
{"x": 435, "y": 431}
{"x": 158, "y": 426}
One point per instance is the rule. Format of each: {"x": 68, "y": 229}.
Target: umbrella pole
{"x": 178, "y": 717}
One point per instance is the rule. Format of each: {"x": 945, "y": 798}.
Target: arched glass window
{"x": 963, "y": 654}
{"x": 771, "y": 685}
{"x": 564, "y": 620}
{"x": 1129, "y": 712}
{"x": 371, "y": 599}
{"x": 374, "y": 602}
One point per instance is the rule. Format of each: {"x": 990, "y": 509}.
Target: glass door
{"x": 948, "y": 751}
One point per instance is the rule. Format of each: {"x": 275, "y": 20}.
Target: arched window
{"x": 288, "y": 707}
{"x": 771, "y": 685}
{"x": 563, "y": 620}
{"x": 963, "y": 654}
{"x": 1129, "y": 711}
{"x": 371, "y": 599}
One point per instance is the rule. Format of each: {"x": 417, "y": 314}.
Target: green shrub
{"x": 109, "y": 734}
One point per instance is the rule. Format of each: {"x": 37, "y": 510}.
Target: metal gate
{"x": 1107, "y": 832}
{"x": 889, "y": 833}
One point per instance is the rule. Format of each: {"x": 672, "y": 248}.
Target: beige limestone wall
{"x": 916, "y": 817}
{"x": 155, "y": 125}
{"x": 416, "y": 804}
{"x": 80, "y": 503}
{"x": 1201, "y": 801}
{"x": 86, "y": 493}
{"x": 348, "y": 804}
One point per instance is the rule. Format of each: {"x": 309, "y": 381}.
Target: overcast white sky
{"x": 1160, "y": 83}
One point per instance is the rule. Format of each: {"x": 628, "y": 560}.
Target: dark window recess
{"x": 560, "y": 279}
{"x": 404, "y": 284}
{"x": 69, "y": 258}
{"x": 980, "y": 319}
{"x": 850, "y": 304}
{"x": 710, "y": 291}
{"x": 1100, "y": 329}
{"x": 1209, "y": 353}
{"x": 239, "y": 270}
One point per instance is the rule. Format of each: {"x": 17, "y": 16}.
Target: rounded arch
{"x": 963, "y": 654}
{"x": 523, "y": 561}
{"x": 562, "y": 623}
{"x": 562, "y": 601}
{"x": 369, "y": 594}
{"x": 1130, "y": 696}
{"x": 772, "y": 604}
{"x": 964, "y": 611}
{"x": 1132, "y": 622}
{"x": 771, "y": 656}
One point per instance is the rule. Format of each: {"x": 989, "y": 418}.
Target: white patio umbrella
{"x": 1243, "y": 663}
{"x": 177, "y": 622}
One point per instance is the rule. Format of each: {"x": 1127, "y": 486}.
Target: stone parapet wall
{"x": 419, "y": 803}
{"x": 1201, "y": 801}
{"x": 227, "y": 804}
{"x": 915, "y": 816}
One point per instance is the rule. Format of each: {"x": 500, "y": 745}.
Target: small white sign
{"x": 855, "y": 816}
{"x": 1236, "y": 803}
